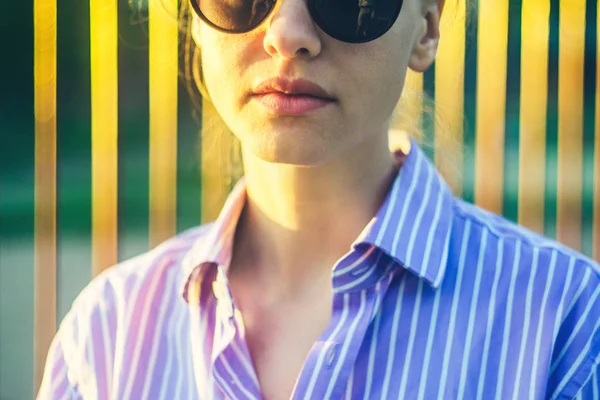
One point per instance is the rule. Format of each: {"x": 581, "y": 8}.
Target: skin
{"x": 313, "y": 181}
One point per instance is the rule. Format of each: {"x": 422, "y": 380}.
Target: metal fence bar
{"x": 45, "y": 182}
{"x": 491, "y": 99}
{"x": 570, "y": 121}
{"x": 104, "y": 81}
{"x": 534, "y": 92}
{"x": 163, "y": 37}
{"x": 449, "y": 92}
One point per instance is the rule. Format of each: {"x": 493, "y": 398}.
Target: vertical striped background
{"x": 100, "y": 157}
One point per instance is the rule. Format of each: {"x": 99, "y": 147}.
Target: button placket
{"x": 329, "y": 365}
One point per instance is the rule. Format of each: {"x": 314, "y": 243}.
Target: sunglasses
{"x": 350, "y": 21}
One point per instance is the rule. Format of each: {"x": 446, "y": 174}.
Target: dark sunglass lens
{"x": 234, "y": 16}
{"x": 355, "y": 21}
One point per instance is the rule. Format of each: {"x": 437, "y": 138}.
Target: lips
{"x": 297, "y": 87}
{"x": 281, "y": 96}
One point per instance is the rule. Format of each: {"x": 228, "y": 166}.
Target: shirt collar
{"x": 216, "y": 246}
{"x": 412, "y": 226}
{"x": 414, "y": 223}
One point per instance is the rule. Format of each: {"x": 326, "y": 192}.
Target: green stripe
{"x": 188, "y": 163}
{"x": 428, "y": 115}
{"x": 73, "y": 175}
{"x": 510, "y": 206}
{"x": 552, "y": 124}
{"x": 470, "y": 108}
{"x": 134, "y": 133}
{"x": 17, "y": 132}
{"x": 589, "y": 124}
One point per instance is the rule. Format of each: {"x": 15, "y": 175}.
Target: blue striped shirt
{"x": 436, "y": 299}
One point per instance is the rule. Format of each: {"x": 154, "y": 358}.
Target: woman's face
{"x": 364, "y": 79}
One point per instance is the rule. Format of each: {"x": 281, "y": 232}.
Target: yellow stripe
{"x": 534, "y": 91}
{"x": 103, "y": 33}
{"x": 163, "y": 119}
{"x": 45, "y": 181}
{"x": 491, "y": 98}
{"x": 449, "y": 93}
{"x": 596, "y": 233}
{"x": 570, "y": 121}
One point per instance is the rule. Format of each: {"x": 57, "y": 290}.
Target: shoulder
{"x": 542, "y": 277}
{"x": 119, "y": 285}
{"x": 528, "y": 267}
{"x": 120, "y": 307}
{"x": 528, "y": 246}
{"x": 144, "y": 275}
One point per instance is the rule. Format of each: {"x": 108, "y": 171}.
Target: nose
{"x": 291, "y": 32}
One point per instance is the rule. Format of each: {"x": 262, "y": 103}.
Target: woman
{"x": 335, "y": 269}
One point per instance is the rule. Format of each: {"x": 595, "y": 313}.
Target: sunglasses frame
{"x": 313, "y": 14}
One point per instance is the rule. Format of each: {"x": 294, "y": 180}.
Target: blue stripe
{"x": 490, "y": 319}
{"x": 428, "y": 349}
{"x": 454, "y": 310}
{"x": 393, "y": 339}
{"x": 527, "y": 322}
{"x": 538, "y": 336}
{"x": 470, "y": 327}
{"x": 411, "y": 342}
{"x": 508, "y": 313}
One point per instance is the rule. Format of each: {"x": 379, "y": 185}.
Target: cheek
{"x": 390, "y": 57}
{"x": 223, "y": 62}
{"x": 218, "y": 67}
{"x": 378, "y": 75}
{"x": 212, "y": 54}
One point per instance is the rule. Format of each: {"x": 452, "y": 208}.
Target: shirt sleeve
{"x": 55, "y": 383}
{"x": 574, "y": 368}
{"x": 78, "y": 364}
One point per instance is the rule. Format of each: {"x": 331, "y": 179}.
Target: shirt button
{"x": 332, "y": 354}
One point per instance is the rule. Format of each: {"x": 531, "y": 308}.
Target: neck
{"x": 298, "y": 221}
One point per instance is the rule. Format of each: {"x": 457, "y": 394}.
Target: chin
{"x": 292, "y": 150}
{"x": 291, "y": 156}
